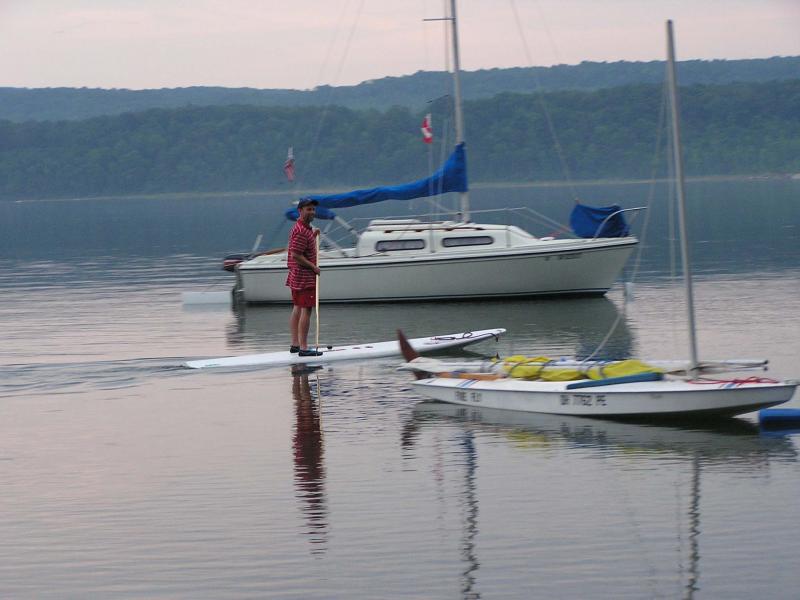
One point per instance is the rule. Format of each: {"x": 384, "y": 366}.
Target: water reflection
{"x": 571, "y": 327}
{"x": 470, "y": 531}
{"x": 309, "y": 467}
{"x": 733, "y": 445}
{"x": 468, "y": 498}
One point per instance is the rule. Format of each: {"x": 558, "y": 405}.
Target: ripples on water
{"x": 125, "y": 475}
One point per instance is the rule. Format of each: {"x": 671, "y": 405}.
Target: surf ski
{"x": 351, "y": 352}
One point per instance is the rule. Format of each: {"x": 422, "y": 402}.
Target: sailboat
{"x": 419, "y": 258}
{"x": 671, "y": 389}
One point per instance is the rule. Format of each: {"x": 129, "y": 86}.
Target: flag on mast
{"x": 288, "y": 166}
{"x": 427, "y": 129}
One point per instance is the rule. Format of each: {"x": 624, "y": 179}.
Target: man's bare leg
{"x": 304, "y": 323}
{"x": 294, "y": 325}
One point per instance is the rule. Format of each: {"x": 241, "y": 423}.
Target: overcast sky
{"x": 300, "y": 44}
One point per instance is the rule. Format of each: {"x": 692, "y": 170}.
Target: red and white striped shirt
{"x": 301, "y": 240}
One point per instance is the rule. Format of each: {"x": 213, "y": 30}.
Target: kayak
{"x": 352, "y": 352}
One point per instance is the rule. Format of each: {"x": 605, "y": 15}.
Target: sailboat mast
{"x": 463, "y": 196}
{"x": 677, "y": 157}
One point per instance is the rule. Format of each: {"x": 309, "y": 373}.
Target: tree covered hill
{"x": 741, "y": 128}
{"x": 412, "y": 91}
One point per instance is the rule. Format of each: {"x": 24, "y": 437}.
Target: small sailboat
{"x": 420, "y": 258}
{"x": 599, "y": 389}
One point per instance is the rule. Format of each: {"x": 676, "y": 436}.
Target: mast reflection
{"x": 468, "y": 499}
{"x": 733, "y": 445}
{"x": 470, "y": 531}
{"x": 309, "y": 467}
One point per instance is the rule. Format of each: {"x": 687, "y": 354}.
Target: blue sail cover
{"x": 451, "y": 177}
{"x": 585, "y": 220}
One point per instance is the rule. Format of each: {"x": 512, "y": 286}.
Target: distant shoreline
{"x": 333, "y": 190}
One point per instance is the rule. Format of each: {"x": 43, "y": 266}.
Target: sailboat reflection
{"x": 734, "y": 444}
{"x": 550, "y": 326}
{"x": 309, "y": 467}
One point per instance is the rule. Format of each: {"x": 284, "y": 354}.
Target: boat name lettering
{"x": 569, "y": 256}
{"x": 583, "y": 399}
{"x": 462, "y": 396}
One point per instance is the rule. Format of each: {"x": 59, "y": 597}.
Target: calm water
{"x": 124, "y": 475}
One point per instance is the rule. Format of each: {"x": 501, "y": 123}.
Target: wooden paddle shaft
{"x": 316, "y": 296}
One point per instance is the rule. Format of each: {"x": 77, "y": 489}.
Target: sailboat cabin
{"x": 414, "y": 236}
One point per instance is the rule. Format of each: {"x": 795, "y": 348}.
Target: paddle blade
{"x": 409, "y": 353}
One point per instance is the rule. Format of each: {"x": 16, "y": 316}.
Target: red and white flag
{"x": 427, "y": 129}
{"x": 288, "y": 166}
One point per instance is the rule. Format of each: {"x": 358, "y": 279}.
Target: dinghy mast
{"x": 677, "y": 157}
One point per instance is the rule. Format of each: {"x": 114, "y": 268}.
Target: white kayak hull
{"x": 646, "y": 398}
{"x": 352, "y": 352}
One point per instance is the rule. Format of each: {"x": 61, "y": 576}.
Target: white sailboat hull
{"x": 653, "y": 398}
{"x": 565, "y": 267}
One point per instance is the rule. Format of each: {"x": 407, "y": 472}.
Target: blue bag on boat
{"x": 585, "y": 221}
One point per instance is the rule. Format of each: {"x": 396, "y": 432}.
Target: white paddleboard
{"x": 356, "y": 351}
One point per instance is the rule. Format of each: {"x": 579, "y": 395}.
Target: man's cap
{"x": 304, "y": 201}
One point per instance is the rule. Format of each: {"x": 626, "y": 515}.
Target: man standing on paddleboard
{"x": 303, "y": 270}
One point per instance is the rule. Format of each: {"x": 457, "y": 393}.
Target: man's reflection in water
{"x": 309, "y": 471}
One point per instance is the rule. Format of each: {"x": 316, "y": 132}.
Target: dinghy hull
{"x": 638, "y": 399}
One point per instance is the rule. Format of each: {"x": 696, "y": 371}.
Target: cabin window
{"x": 475, "y": 240}
{"x": 390, "y": 245}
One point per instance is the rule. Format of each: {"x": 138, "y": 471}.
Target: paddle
{"x": 316, "y": 297}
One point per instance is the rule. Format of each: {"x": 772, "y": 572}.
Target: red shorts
{"x": 305, "y": 298}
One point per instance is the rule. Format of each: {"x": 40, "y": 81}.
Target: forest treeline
{"x": 412, "y": 91}
{"x": 742, "y": 128}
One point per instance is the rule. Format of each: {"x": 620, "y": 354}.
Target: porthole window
{"x": 475, "y": 240}
{"x": 391, "y": 245}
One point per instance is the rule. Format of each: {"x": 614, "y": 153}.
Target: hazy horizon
{"x": 149, "y": 44}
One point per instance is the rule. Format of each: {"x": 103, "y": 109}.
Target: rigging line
{"x": 426, "y": 54}
{"x": 662, "y": 118}
{"x": 328, "y": 105}
{"x": 540, "y": 97}
{"x": 634, "y": 521}
{"x": 320, "y": 77}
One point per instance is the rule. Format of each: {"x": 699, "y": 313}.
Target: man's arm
{"x": 304, "y": 262}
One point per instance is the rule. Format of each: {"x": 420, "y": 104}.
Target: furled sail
{"x": 451, "y": 177}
